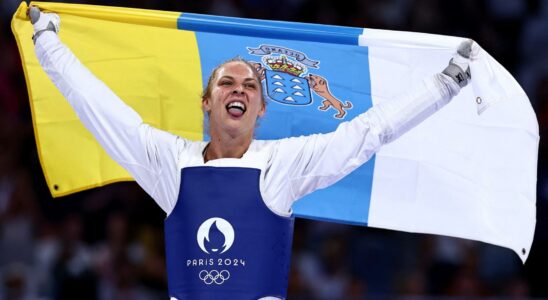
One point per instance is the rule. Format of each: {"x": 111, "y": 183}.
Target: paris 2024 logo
{"x": 215, "y": 236}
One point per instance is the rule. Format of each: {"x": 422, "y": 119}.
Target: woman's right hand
{"x": 43, "y": 22}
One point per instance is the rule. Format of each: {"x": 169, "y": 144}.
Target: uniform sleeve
{"x": 148, "y": 154}
{"x": 302, "y": 165}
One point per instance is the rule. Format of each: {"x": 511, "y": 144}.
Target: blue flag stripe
{"x": 269, "y": 29}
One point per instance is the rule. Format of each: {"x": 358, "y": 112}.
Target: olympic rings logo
{"x": 214, "y": 276}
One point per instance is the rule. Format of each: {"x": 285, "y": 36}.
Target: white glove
{"x": 43, "y": 22}
{"x": 458, "y": 68}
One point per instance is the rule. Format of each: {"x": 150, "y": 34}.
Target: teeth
{"x": 236, "y": 104}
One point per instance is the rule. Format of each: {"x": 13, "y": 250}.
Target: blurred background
{"x": 107, "y": 243}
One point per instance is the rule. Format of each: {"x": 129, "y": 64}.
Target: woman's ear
{"x": 262, "y": 111}
{"x": 206, "y": 107}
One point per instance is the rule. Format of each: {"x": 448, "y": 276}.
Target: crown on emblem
{"x": 282, "y": 64}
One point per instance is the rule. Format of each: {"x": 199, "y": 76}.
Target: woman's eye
{"x": 226, "y": 82}
{"x": 251, "y": 86}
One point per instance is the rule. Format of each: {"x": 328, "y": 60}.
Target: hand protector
{"x": 43, "y": 22}
{"x": 458, "y": 68}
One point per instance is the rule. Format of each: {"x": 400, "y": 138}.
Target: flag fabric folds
{"x": 468, "y": 171}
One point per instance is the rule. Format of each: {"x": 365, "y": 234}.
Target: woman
{"x": 229, "y": 227}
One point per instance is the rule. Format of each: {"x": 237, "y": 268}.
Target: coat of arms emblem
{"x": 288, "y": 81}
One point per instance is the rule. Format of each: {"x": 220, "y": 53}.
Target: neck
{"x": 226, "y": 147}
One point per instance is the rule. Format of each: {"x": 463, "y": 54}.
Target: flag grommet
{"x": 478, "y": 100}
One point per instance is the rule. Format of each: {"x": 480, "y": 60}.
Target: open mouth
{"x": 236, "y": 108}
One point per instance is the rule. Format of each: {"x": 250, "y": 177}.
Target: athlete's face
{"x": 235, "y": 101}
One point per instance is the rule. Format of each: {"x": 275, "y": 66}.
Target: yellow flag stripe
{"x": 141, "y": 55}
{"x": 137, "y": 16}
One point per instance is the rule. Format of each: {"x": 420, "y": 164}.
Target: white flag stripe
{"x": 459, "y": 173}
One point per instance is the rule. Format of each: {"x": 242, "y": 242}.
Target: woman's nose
{"x": 238, "y": 89}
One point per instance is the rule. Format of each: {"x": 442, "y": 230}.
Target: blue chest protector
{"x": 222, "y": 241}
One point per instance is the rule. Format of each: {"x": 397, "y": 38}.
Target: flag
{"x": 468, "y": 171}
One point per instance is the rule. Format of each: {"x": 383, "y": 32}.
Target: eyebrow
{"x": 246, "y": 79}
